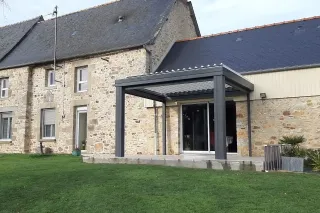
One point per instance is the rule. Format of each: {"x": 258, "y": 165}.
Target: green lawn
{"x": 64, "y": 184}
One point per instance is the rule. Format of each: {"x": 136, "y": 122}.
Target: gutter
{"x": 281, "y": 69}
{"x": 78, "y": 57}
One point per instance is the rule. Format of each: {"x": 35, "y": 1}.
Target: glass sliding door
{"x": 195, "y": 127}
{"x": 198, "y": 127}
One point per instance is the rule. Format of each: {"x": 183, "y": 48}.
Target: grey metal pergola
{"x": 217, "y": 82}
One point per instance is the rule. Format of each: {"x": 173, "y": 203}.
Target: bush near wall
{"x": 312, "y": 157}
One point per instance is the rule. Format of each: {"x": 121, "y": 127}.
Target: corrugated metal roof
{"x": 177, "y": 89}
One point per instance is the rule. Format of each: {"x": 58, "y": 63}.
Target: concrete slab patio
{"x": 234, "y": 162}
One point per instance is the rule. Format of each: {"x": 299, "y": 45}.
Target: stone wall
{"x": 274, "y": 118}
{"x": 16, "y": 103}
{"x": 179, "y": 25}
{"x": 29, "y": 99}
{"x": 100, "y": 100}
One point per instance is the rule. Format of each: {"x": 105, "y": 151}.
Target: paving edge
{"x": 199, "y": 164}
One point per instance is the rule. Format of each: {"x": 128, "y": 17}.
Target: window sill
{"x": 44, "y": 140}
{"x": 83, "y": 91}
{"x": 5, "y": 141}
{"x": 51, "y": 87}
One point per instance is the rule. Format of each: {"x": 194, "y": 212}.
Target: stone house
{"x": 74, "y": 105}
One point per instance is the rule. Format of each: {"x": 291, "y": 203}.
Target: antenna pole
{"x": 55, "y": 12}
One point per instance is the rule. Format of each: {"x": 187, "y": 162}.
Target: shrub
{"x": 314, "y": 160}
{"x": 293, "y": 149}
{"x": 292, "y": 140}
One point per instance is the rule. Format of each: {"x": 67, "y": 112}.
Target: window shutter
{"x": 49, "y": 117}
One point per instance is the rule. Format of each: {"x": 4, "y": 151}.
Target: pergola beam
{"x": 146, "y": 94}
{"x": 169, "y": 77}
{"x": 138, "y": 86}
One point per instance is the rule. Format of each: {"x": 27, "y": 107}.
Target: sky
{"x": 213, "y": 16}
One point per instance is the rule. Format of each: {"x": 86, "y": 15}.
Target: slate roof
{"x": 93, "y": 31}
{"x": 11, "y": 35}
{"x": 275, "y": 46}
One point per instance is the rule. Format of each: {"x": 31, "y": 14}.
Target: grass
{"x": 64, "y": 184}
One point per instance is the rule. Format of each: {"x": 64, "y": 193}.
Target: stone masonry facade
{"x": 29, "y": 95}
{"x": 274, "y": 118}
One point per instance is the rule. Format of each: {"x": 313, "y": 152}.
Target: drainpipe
{"x": 156, "y": 138}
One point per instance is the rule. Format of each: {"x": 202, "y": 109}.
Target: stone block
{"x": 217, "y": 165}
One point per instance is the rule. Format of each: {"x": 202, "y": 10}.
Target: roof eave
{"x": 80, "y": 56}
{"x": 308, "y": 66}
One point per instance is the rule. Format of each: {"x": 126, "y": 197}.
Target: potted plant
{"x": 76, "y": 152}
{"x": 293, "y": 155}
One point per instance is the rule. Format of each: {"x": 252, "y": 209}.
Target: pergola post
{"x": 220, "y": 117}
{"x": 120, "y": 121}
{"x": 164, "y": 129}
{"x": 249, "y": 124}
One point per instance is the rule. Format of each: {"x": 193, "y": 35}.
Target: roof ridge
{"x": 252, "y": 28}
{"x": 89, "y": 8}
{"x": 20, "y": 22}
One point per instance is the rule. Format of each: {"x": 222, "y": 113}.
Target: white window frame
{"x": 6, "y": 89}
{"x": 80, "y": 82}
{"x": 9, "y": 130}
{"x": 49, "y": 72}
{"x": 52, "y": 126}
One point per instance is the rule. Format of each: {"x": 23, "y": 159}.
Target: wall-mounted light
{"x": 263, "y": 95}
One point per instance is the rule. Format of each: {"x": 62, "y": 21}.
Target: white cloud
{"x": 213, "y": 15}
{"x": 224, "y": 15}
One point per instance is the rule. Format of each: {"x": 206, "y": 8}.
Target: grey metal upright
{"x": 220, "y": 117}
{"x": 164, "y": 129}
{"x": 249, "y": 124}
{"x": 120, "y": 121}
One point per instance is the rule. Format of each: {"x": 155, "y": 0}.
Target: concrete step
{"x": 234, "y": 165}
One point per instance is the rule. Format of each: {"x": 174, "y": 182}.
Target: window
{"x": 82, "y": 79}
{"x": 48, "y": 123}
{"x": 51, "y": 78}
{"x": 5, "y": 125}
{"x": 4, "y": 85}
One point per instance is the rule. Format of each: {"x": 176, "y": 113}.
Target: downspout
{"x": 156, "y": 138}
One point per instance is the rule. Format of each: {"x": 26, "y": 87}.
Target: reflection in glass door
{"x": 195, "y": 127}
{"x": 198, "y": 127}
{"x": 81, "y": 128}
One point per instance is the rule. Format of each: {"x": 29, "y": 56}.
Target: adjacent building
{"x": 73, "y": 105}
